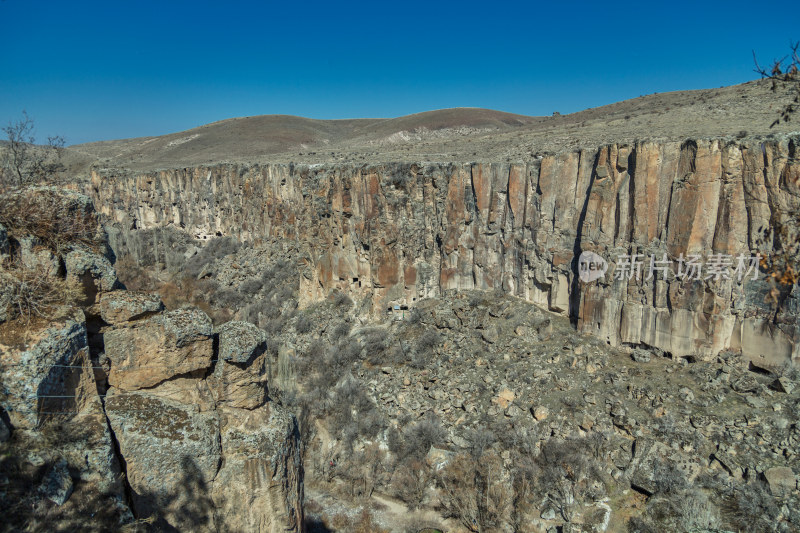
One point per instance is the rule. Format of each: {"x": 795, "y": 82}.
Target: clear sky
{"x": 127, "y": 68}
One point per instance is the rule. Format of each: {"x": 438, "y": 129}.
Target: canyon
{"x": 283, "y": 324}
{"x": 396, "y": 233}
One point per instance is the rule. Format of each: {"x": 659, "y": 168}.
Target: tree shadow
{"x": 189, "y": 507}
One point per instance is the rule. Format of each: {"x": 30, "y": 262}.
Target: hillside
{"x": 448, "y": 135}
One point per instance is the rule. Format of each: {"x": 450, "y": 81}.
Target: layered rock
{"x": 401, "y": 232}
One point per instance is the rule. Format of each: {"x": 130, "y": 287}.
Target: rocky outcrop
{"x": 172, "y": 453}
{"x": 52, "y": 375}
{"x": 134, "y": 415}
{"x": 257, "y": 485}
{"x": 204, "y": 453}
{"x": 401, "y": 232}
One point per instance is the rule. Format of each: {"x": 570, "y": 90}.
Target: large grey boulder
{"x": 781, "y": 480}
{"x": 239, "y": 341}
{"x": 146, "y": 352}
{"x": 93, "y": 271}
{"x": 123, "y": 306}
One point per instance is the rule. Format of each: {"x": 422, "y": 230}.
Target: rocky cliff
{"x": 156, "y": 411}
{"x": 399, "y": 232}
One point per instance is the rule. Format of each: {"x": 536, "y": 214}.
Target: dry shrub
{"x": 58, "y": 218}
{"x": 31, "y": 292}
{"x": 366, "y": 524}
{"x": 475, "y": 492}
{"x": 134, "y": 276}
{"x": 189, "y": 291}
{"x": 410, "y": 481}
{"x": 341, "y": 521}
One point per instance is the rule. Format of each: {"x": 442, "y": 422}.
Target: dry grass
{"x": 33, "y": 293}
{"x": 51, "y": 215}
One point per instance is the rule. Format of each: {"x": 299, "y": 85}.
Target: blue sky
{"x": 118, "y": 68}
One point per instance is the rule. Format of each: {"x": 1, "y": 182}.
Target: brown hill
{"x": 459, "y": 134}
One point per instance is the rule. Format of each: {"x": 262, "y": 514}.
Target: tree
{"x": 782, "y": 264}
{"x": 785, "y": 71}
{"x": 23, "y": 162}
{"x": 475, "y": 490}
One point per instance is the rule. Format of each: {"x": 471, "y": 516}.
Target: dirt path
{"x": 388, "y": 512}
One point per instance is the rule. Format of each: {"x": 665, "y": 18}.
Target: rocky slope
{"x": 564, "y": 430}
{"x": 110, "y": 397}
{"x": 396, "y": 233}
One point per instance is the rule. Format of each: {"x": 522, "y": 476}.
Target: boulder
{"x": 122, "y": 306}
{"x": 172, "y": 454}
{"x": 650, "y": 457}
{"x": 239, "y": 341}
{"x": 781, "y": 480}
{"x": 783, "y": 384}
{"x": 540, "y": 412}
{"x": 240, "y": 378}
{"x": 57, "y": 483}
{"x": 438, "y": 458}
{"x": 146, "y": 352}
{"x": 92, "y": 270}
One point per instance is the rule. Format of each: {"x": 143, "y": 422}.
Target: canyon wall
{"x": 394, "y": 233}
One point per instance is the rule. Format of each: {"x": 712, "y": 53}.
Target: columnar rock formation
{"x": 401, "y": 232}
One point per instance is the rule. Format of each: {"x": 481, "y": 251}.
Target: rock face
{"x": 52, "y": 375}
{"x": 401, "y": 232}
{"x": 257, "y": 485}
{"x": 171, "y": 454}
{"x": 201, "y": 453}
